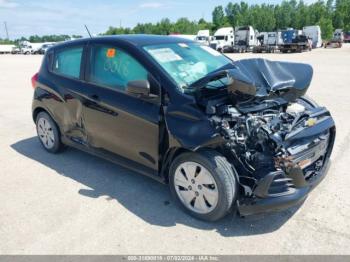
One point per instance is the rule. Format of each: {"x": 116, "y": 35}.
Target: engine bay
{"x": 262, "y": 143}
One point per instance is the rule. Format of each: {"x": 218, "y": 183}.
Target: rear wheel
{"x": 204, "y": 184}
{"x": 48, "y": 133}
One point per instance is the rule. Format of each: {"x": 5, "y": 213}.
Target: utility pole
{"x": 7, "y": 32}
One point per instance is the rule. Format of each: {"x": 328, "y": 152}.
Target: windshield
{"x": 219, "y": 37}
{"x": 187, "y": 63}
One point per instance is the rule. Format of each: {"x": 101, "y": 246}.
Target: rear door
{"x": 66, "y": 99}
{"x": 115, "y": 121}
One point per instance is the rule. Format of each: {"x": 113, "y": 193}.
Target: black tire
{"x": 57, "y": 143}
{"x": 224, "y": 175}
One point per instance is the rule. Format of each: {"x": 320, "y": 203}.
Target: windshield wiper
{"x": 212, "y": 76}
{"x": 216, "y": 75}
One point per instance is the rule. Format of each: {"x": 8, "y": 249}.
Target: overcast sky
{"x": 29, "y": 17}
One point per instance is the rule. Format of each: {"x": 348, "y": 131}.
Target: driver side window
{"x": 114, "y": 68}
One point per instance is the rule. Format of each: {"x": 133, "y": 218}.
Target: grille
{"x": 310, "y": 157}
{"x": 213, "y": 46}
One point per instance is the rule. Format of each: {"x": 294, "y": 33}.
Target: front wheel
{"x": 204, "y": 184}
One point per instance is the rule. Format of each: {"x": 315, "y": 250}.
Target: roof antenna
{"x": 87, "y": 29}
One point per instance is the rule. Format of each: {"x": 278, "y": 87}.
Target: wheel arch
{"x": 37, "y": 110}
{"x": 174, "y": 152}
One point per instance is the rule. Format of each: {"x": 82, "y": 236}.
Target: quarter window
{"x": 114, "y": 68}
{"x": 67, "y": 62}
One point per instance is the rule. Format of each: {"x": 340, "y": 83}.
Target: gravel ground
{"x": 74, "y": 203}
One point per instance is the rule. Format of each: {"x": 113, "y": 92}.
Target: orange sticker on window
{"x": 110, "y": 52}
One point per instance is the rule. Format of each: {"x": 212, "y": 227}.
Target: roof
{"x": 137, "y": 40}
{"x": 142, "y": 40}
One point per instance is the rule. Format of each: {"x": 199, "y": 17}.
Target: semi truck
{"x": 203, "y": 37}
{"x": 245, "y": 39}
{"x": 223, "y": 39}
{"x": 288, "y": 35}
{"x": 299, "y": 44}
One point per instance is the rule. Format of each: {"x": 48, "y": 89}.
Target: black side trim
{"x": 116, "y": 159}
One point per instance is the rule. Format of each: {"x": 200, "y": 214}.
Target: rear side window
{"x": 114, "y": 68}
{"x": 67, "y": 62}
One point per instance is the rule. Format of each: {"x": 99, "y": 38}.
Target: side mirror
{"x": 138, "y": 88}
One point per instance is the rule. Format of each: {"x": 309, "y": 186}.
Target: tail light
{"x": 35, "y": 80}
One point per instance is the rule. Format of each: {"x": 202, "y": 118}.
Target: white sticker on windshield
{"x": 210, "y": 50}
{"x": 183, "y": 45}
{"x": 165, "y": 55}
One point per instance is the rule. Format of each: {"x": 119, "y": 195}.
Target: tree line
{"x": 329, "y": 15}
{"x": 40, "y": 39}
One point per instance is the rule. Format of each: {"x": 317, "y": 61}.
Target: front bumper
{"x": 279, "y": 190}
{"x": 278, "y": 203}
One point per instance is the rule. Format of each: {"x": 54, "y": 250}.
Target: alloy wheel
{"x": 45, "y": 133}
{"x": 196, "y": 187}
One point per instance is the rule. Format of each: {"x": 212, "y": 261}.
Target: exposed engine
{"x": 259, "y": 140}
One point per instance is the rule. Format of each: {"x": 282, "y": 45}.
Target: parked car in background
{"x": 224, "y": 135}
{"x": 44, "y": 48}
{"x": 223, "y": 39}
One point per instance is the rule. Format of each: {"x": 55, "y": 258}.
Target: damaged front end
{"x": 278, "y": 141}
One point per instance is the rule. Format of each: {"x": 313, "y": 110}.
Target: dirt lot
{"x": 74, "y": 203}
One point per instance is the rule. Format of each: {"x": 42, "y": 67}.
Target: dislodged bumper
{"x": 280, "y": 190}
{"x": 279, "y": 202}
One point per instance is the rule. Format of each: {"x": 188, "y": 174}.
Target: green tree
{"x": 233, "y": 13}
{"x": 165, "y": 27}
{"x": 185, "y": 26}
{"x": 218, "y": 16}
{"x": 326, "y": 28}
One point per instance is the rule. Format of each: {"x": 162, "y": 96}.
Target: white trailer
{"x": 223, "y": 39}
{"x": 274, "y": 38}
{"x": 268, "y": 42}
{"x": 245, "y": 38}
{"x": 314, "y": 33}
{"x": 6, "y": 49}
{"x": 203, "y": 37}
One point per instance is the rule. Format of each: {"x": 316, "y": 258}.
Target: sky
{"x": 45, "y": 17}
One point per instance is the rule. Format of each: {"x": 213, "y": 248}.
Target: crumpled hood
{"x": 260, "y": 77}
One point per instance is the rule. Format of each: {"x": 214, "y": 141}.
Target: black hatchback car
{"x": 226, "y": 135}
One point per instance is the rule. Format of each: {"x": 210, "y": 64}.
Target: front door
{"x": 114, "y": 120}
